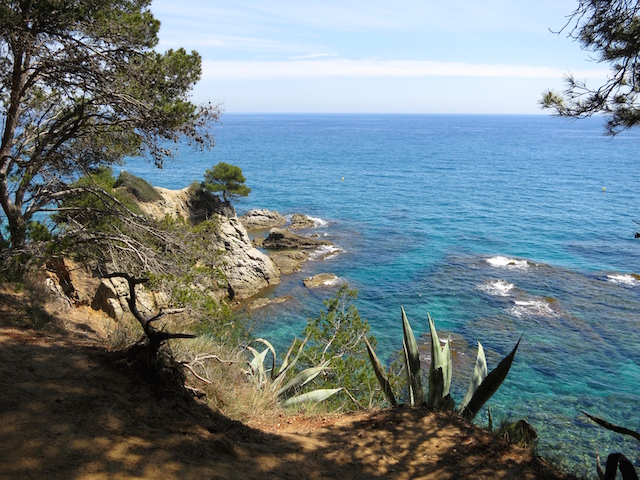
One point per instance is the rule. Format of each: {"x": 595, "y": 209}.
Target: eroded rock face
{"x": 174, "y": 203}
{"x": 247, "y": 269}
{"x": 299, "y": 221}
{"x": 112, "y": 294}
{"x": 259, "y": 219}
{"x": 280, "y": 238}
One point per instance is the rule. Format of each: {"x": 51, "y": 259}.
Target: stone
{"x": 280, "y": 238}
{"x": 75, "y": 281}
{"x": 258, "y": 241}
{"x": 260, "y": 219}
{"x": 321, "y": 280}
{"x": 112, "y": 298}
{"x": 299, "y": 221}
{"x": 289, "y": 261}
{"x": 247, "y": 269}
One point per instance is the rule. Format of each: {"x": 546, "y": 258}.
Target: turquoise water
{"x": 495, "y": 225}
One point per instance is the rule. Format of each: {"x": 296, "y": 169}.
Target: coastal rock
{"x": 263, "y": 302}
{"x": 259, "y": 219}
{"x": 280, "y": 238}
{"x": 174, "y": 204}
{"x": 247, "y": 269}
{"x": 289, "y": 261}
{"x": 321, "y": 280}
{"x": 258, "y": 241}
{"x": 73, "y": 280}
{"x": 299, "y": 221}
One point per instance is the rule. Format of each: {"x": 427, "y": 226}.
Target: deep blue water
{"x": 495, "y": 225}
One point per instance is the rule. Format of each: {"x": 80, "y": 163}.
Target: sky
{"x": 375, "y": 56}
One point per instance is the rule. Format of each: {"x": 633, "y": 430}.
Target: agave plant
{"x": 615, "y": 460}
{"x": 481, "y": 387}
{"x": 274, "y": 379}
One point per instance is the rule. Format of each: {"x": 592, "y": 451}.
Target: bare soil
{"x": 69, "y": 409}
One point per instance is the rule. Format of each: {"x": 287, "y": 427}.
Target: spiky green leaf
{"x": 303, "y": 378}
{"x": 479, "y": 374}
{"x": 412, "y": 362}
{"x": 380, "y": 373}
{"x": 312, "y": 397}
{"x": 490, "y": 385}
{"x": 440, "y": 370}
{"x": 273, "y": 353}
{"x": 614, "y": 428}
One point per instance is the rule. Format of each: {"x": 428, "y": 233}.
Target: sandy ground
{"x": 69, "y": 410}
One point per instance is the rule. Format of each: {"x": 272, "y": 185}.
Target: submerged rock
{"x": 258, "y": 219}
{"x": 321, "y": 280}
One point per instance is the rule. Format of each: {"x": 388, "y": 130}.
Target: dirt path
{"x": 69, "y": 411}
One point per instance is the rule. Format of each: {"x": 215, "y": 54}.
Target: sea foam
{"x": 496, "y": 288}
{"x": 324, "y": 252}
{"x": 624, "y": 279}
{"x": 534, "y": 308}
{"x": 505, "y": 262}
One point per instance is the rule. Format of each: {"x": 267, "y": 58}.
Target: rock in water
{"x": 289, "y": 261}
{"x": 279, "y": 238}
{"x": 321, "y": 280}
{"x": 247, "y": 269}
{"x": 259, "y": 219}
{"x": 299, "y": 221}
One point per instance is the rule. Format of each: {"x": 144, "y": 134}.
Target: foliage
{"x": 481, "y": 387}
{"x": 338, "y": 336}
{"x": 139, "y": 188}
{"x": 82, "y": 86}
{"x": 615, "y": 460}
{"x": 609, "y": 29}
{"x": 273, "y": 379}
{"x": 226, "y": 179}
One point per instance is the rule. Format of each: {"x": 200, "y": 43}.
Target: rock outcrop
{"x": 280, "y": 238}
{"x": 174, "y": 203}
{"x": 247, "y": 269}
{"x": 260, "y": 219}
{"x": 299, "y": 221}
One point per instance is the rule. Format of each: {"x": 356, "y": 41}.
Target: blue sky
{"x": 406, "y": 56}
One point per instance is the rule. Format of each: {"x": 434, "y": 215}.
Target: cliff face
{"x": 247, "y": 269}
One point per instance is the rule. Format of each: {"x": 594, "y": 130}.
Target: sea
{"x": 496, "y": 226}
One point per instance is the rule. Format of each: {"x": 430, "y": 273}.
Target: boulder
{"x": 246, "y": 268}
{"x": 174, "y": 204}
{"x": 258, "y": 241}
{"x": 112, "y": 298}
{"x": 260, "y": 219}
{"x": 75, "y": 281}
{"x": 263, "y": 302}
{"x": 289, "y": 261}
{"x": 299, "y": 221}
{"x": 321, "y": 280}
{"x": 280, "y": 238}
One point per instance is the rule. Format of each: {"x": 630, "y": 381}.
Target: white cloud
{"x": 377, "y": 68}
{"x": 314, "y": 55}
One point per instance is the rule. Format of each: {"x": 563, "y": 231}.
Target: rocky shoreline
{"x": 249, "y": 266}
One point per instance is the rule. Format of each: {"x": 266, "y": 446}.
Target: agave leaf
{"x": 479, "y": 374}
{"x": 315, "y": 396}
{"x": 303, "y": 378}
{"x": 614, "y": 428}
{"x": 626, "y": 467}
{"x": 490, "y": 385}
{"x": 257, "y": 364}
{"x": 412, "y": 362}
{"x": 439, "y": 383}
{"x": 285, "y": 362}
{"x": 380, "y": 373}
{"x": 436, "y": 387}
{"x": 273, "y": 353}
{"x": 282, "y": 373}
{"x": 447, "y": 368}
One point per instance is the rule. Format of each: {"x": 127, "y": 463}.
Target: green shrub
{"x": 138, "y": 187}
